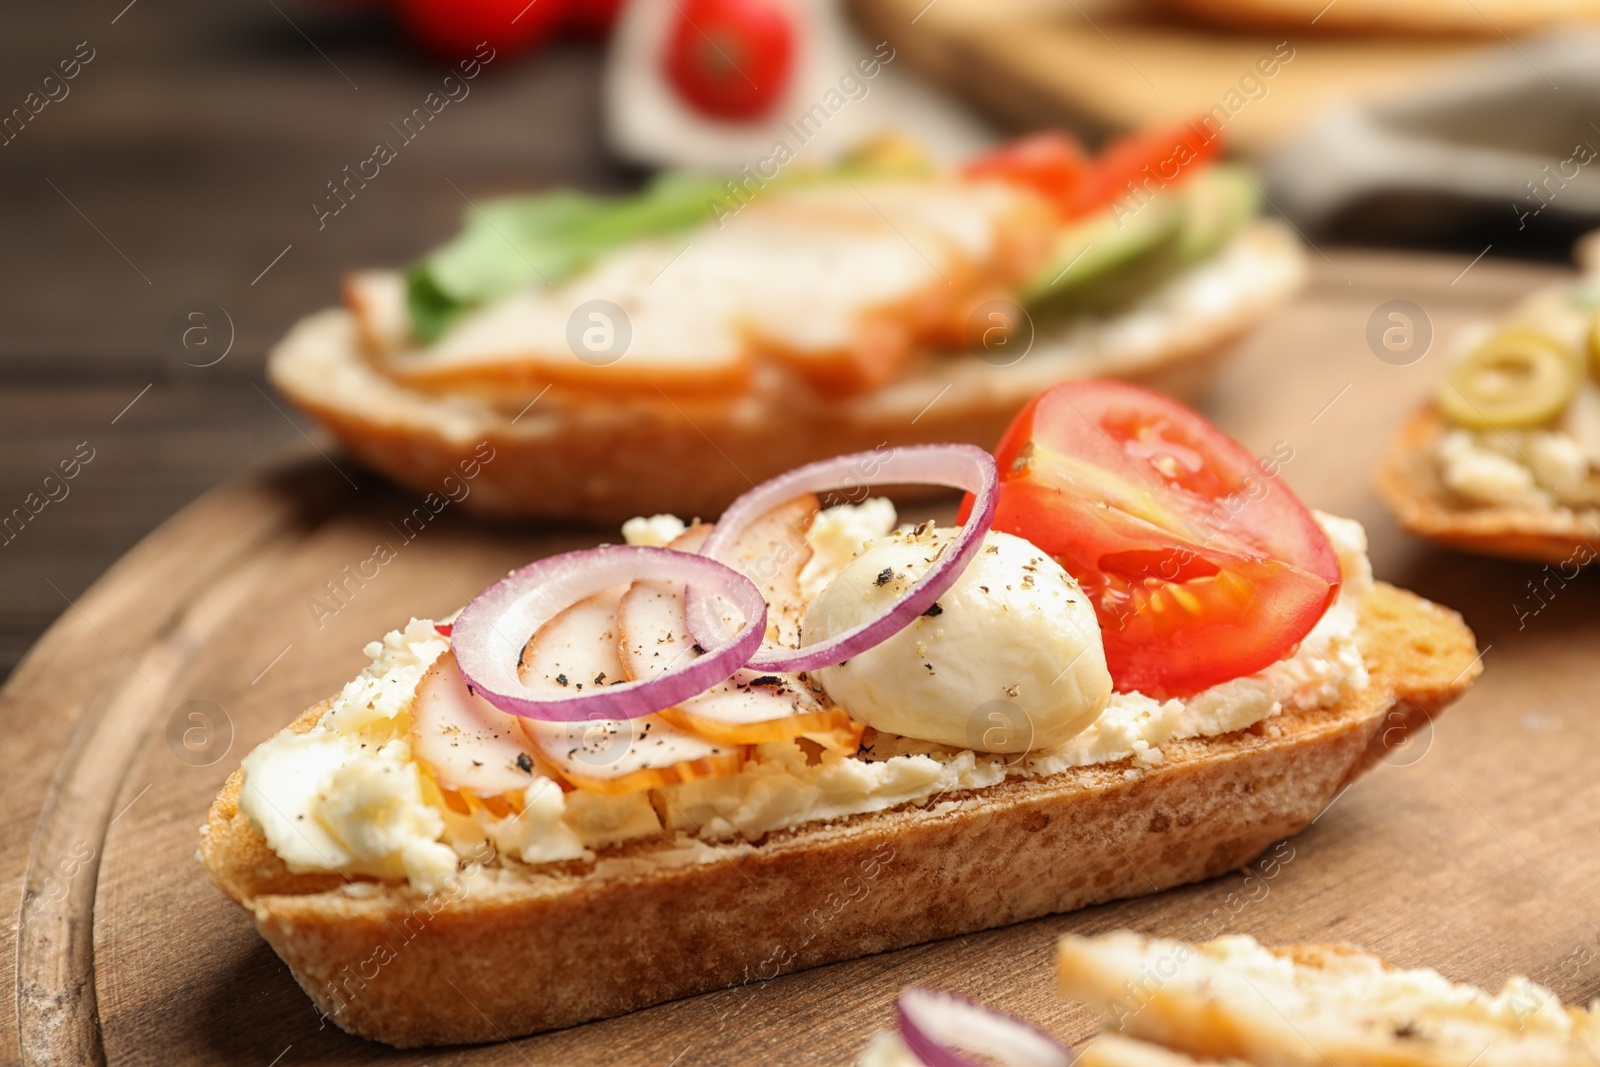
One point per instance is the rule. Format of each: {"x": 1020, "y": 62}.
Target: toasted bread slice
{"x": 1410, "y": 484}
{"x": 1310, "y": 1006}
{"x": 566, "y": 454}
{"x": 650, "y": 921}
{"x": 1420, "y": 18}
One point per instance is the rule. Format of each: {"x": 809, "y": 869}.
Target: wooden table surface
{"x": 182, "y": 161}
{"x": 178, "y": 169}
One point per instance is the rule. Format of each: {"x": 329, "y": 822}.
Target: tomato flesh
{"x": 1201, "y": 565}
{"x": 1051, "y": 163}
{"x": 1054, "y": 165}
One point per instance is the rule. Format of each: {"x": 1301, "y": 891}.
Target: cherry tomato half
{"x": 1202, "y": 567}
{"x": 731, "y": 59}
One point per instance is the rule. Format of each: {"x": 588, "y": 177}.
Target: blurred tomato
{"x": 730, "y": 59}
{"x": 1052, "y": 162}
{"x": 1163, "y": 156}
{"x": 453, "y": 29}
{"x": 595, "y": 17}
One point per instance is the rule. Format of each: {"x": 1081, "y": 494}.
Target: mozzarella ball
{"x": 1009, "y": 659}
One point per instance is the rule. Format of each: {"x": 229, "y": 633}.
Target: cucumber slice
{"x": 1218, "y": 202}
{"x": 1110, "y": 260}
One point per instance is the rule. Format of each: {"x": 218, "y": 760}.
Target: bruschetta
{"x": 667, "y": 350}
{"x": 806, "y": 733}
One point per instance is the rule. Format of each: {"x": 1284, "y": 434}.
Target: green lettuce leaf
{"x": 509, "y": 243}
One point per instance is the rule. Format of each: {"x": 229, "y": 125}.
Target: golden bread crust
{"x": 631, "y": 930}
{"x": 1409, "y": 482}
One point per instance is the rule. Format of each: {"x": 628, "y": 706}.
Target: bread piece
{"x": 640, "y": 925}
{"x": 1314, "y": 1006}
{"x": 1410, "y": 484}
{"x": 1110, "y": 1049}
{"x": 1422, "y": 18}
{"x": 572, "y": 455}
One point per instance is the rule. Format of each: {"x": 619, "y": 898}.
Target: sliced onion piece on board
{"x": 579, "y": 647}
{"x": 470, "y": 745}
{"x": 939, "y": 1027}
{"x": 748, "y": 708}
{"x": 490, "y": 633}
{"x": 966, "y": 467}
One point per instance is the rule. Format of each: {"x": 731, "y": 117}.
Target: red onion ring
{"x": 938, "y": 1027}
{"x": 965, "y": 467}
{"x": 490, "y": 633}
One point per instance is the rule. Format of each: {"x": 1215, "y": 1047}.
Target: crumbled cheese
{"x": 1558, "y": 461}
{"x": 888, "y": 1049}
{"x": 779, "y": 788}
{"x": 536, "y": 834}
{"x": 384, "y": 690}
{"x": 1521, "y": 468}
{"x": 840, "y": 534}
{"x": 331, "y": 801}
{"x": 1484, "y": 476}
{"x": 656, "y": 531}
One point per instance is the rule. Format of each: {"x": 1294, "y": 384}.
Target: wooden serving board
{"x": 1114, "y": 65}
{"x": 1472, "y": 851}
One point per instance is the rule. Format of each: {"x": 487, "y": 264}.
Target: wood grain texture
{"x": 183, "y": 160}
{"x": 1473, "y": 853}
{"x": 1114, "y": 66}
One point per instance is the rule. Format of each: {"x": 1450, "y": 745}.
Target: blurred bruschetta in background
{"x": 1506, "y": 459}
{"x": 664, "y": 351}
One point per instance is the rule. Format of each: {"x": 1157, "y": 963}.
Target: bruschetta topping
{"x": 833, "y": 281}
{"x": 574, "y": 703}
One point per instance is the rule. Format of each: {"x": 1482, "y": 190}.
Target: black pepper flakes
{"x": 934, "y": 610}
{"x": 561, "y": 679}
{"x": 524, "y": 763}
{"x": 884, "y": 576}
